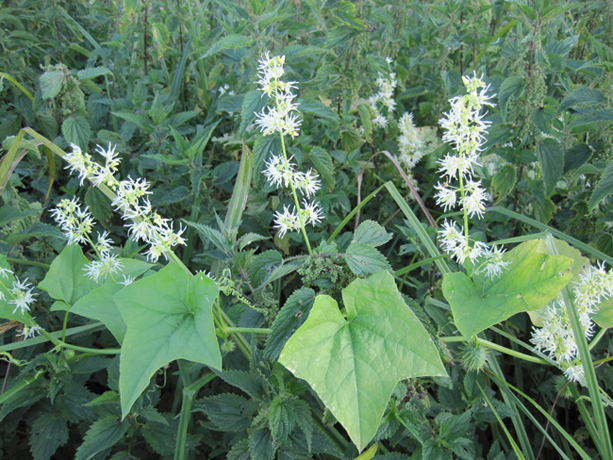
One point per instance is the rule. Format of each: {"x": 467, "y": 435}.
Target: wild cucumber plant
{"x": 248, "y": 341}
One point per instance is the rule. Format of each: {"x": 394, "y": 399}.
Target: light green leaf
{"x": 354, "y": 363}
{"x": 530, "y": 281}
{"x": 76, "y": 130}
{"x": 51, "y": 83}
{"x": 161, "y": 36}
{"x": 66, "y": 278}
{"x": 168, "y": 316}
{"x": 363, "y": 259}
{"x": 551, "y": 157}
{"x": 137, "y": 120}
{"x": 228, "y": 42}
{"x": 371, "y": 233}
{"x": 99, "y": 303}
{"x": 604, "y": 187}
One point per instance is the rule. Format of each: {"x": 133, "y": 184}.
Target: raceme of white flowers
{"x": 280, "y": 171}
{"x": 22, "y": 298}
{"x": 465, "y": 131}
{"x": 147, "y": 226}
{"x": 410, "y": 145}
{"x": 556, "y": 337}
{"x": 383, "y": 98}
{"x": 282, "y": 116}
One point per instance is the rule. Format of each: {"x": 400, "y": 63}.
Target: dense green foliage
{"x": 251, "y": 343}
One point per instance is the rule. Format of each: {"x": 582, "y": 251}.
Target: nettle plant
{"x": 354, "y": 350}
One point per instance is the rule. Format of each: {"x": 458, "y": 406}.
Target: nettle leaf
{"x": 168, "y": 316}
{"x": 66, "y": 280}
{"x": 323, "y": 163}
{"x": 371, "y": 233}
{"x": 261, "y": 444}
{"x": 511, "y": 88}
{"x": 246, "y": 381}
{"x": 551, "y": 157}
{"x": 504, "y": 180}
{"x": 318, "y": 108}
{"x": 576, "y": 156}
{"x": 249, "y": 238}
{"x": 354, "y": 363}
{"x": 293, "y": 315}
{"x": 228, "y": 42}
{"x": 262, "y": 266}
{"x": 253, "y": 103}
{"x": 581, "y": 96}
{"x": 93, "y": 72}
{"x": 210, "y": 234}
{"x": 604, "y": 187}
{"x": 49, "y": 432}
{"x": 363, "y": 259}
{"x": 76, "y": 130}
{"x": 51, "y": 83}
{"x": 281, "y": 419}
{"x": 530, "y": 281}
{"x": 228, "y": 411}
{"x": 103, "y": 433}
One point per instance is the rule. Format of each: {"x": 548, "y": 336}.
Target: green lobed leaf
{"x": 103, "y": 433}
{"x": 530, "y": 281}
{"x": 363, "y": 259}
{"x": 604, "y": 187}
{"x": 371, "y": 233}
{"x": 168, "y": 316}
{"x": 49, "y": 432}
{"x": 228, "y": 411}
{"x": 66, "y": 278}
{"x": 551, "y": 157}
{"x": 293, "y": 315}
{"x": 354, "y": 363}
{"x": 76, "y": 130}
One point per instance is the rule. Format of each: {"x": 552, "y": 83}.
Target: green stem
{"x": 597, "y": 338}
{"x": 604, "y": 436}
{"x": 7, "y": 395}
{"x": 248, "y": 330}
{"x": 295, "y": 195}
{"x": 62, "y": 344}
{"x": 500, "y": 348}
{"x": 17, "y": 260}
{"x": 65, "y": 325}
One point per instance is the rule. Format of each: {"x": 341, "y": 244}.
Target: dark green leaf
{"x": 210, "y": 234}
{"x": 293, "y": 315}
{"x": 228, "y": 42}
{"x": 260, "y": 445}
{"x": 604, "y": 187}
{"x": 228, "y": 411}
{"x": 253, "y": 102}
{"x": 49, "y": 432}
{"x": 317, "y": 108}
{"x": 262, "y": 266}
{"x": 581, "y": 96}
{"x": 511, "y": 88}
{"x": 36, "y": 230}
{"x": 281, "y": 419}
{"x": 504, "y": 180}
{"x": 243, "y": 380}
{"x": 323, "y": 163}
{"x": 576, "y": 156}
{"x": 103, "y": 433}
{"x": 551, "y": 157}
{"x": 99, "y": 205}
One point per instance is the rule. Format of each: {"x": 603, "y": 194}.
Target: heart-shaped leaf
{"x": 530, "y": 281}
{"x": 168, "y": 316}
{"x": 354, "y": 364}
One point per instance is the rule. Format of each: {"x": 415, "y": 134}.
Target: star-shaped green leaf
{"x": 530, "y": 281}
{"x": 354, "y": 364}
{"x": 168, "y": 316}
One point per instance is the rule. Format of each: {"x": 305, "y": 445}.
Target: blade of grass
{"x": 557, "y": 233}
{"x": 502, "y": 384}
{"x": 417, "y": 227}
{"x": 18, "y": 85}
{"x": 11, "y": 160}
{"x": 411, "y": 267}
{"x": 240, "y": 194}
{"x": 511, "y": 440}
